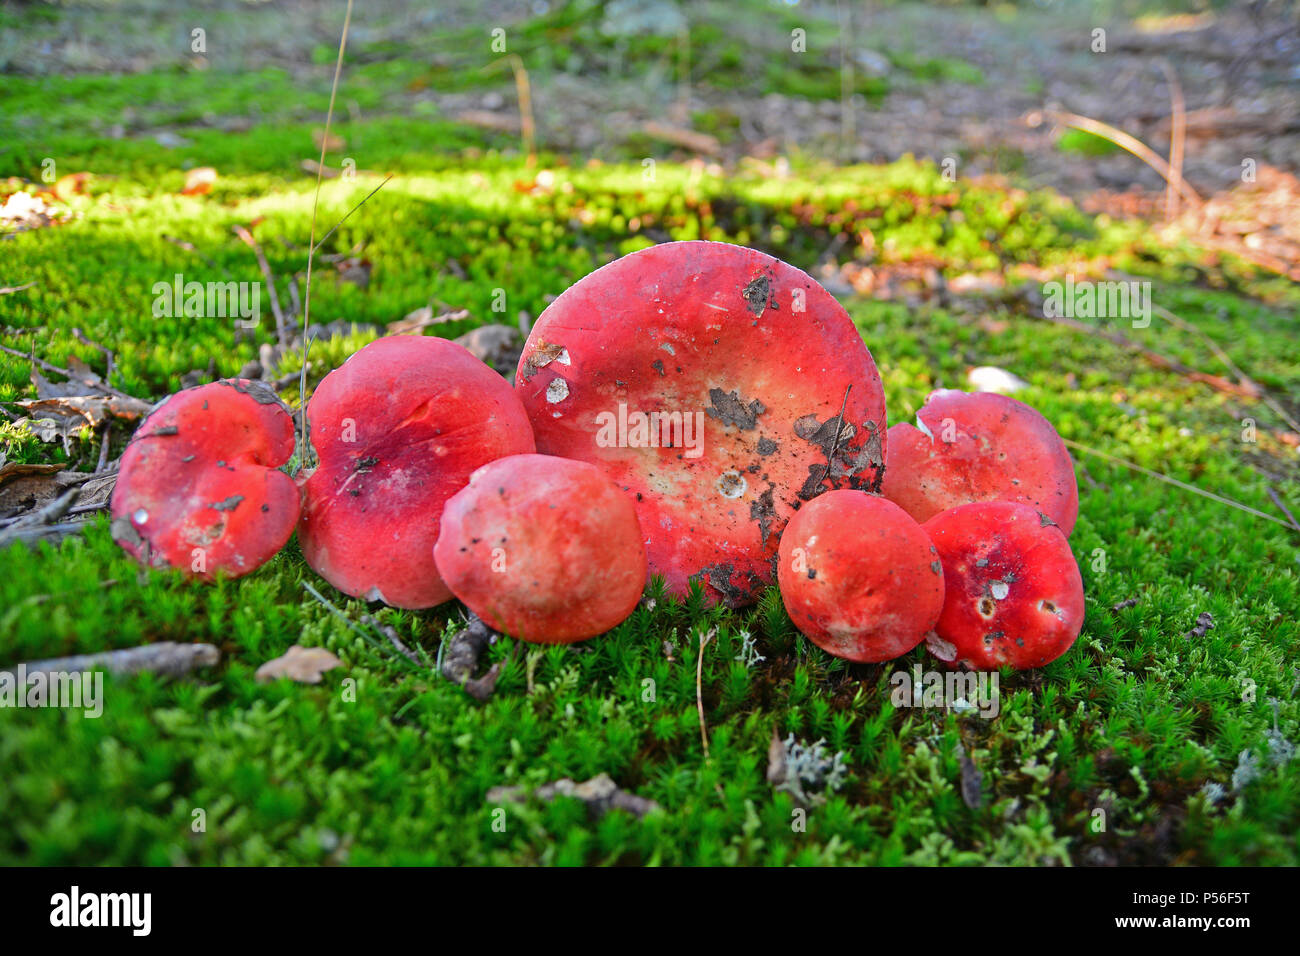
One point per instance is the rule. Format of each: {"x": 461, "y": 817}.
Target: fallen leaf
{"x": 199, "y": 180}
{"x": 330, "y": 144}
{"x": 302, "y": 664}
{"x": 496, "y": 345}
{"x": 13, "y": 469}
{"x": 422, "y": 318}
{"x": 73, "y": 184}
{"x": 354, "y": 270}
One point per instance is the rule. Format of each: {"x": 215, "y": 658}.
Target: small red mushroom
{"x": 979, "y": 446}
{"x": 199, "y": 487}
{"x": 398, "y": 429}
{"x": 546, "y": 549}
{"x": 1013, "y": 591}
{"x": 721, "y": 388}
{"x": 859, "y": 577}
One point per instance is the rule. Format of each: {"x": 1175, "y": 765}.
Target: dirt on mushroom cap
{"x": 198, "y": 488}
{"x": 980, "y": 446}
{"x": 689, "y": 365}
{"x": 399, "y": 428}
{"x": 543, "y": 548}
{"x": 1013, "y": 592}
{"x": 859, "y": 577}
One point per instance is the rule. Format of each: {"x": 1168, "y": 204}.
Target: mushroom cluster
{"x": 697, "y": 411}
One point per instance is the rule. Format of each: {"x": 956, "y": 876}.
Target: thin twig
{"x": 1223, "y": 357}
{"x": 336, "y": 225}
{"x": 1277, "y": 500}
{"x": 1175, "y": 482}
{"x": 523, "y": 90}
{"x": 109, "y": 367}
{"x": 699, "y": 689}
{"x": 1177, "y": 138}
{"x": 58, "y": 370}
{"x": 103, "y": 448}
{"x": 10, "y": 289}
{"x": 1126, "y": 142}
{"x": 280, "y": 328}
{"x": 324, "y": 145}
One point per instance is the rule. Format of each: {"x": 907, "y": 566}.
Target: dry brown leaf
{"x": 422, "y": 318}
{"x": 12, "y": 469}
{"x": 354, "y": 270}
{"x": 332, "y": 144}
{"x": 61, "y": 419}
{"x": 199, "y": 180}
{"x": 305, "y": 665}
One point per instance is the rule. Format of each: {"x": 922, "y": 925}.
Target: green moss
{"x": 385, "y": 762}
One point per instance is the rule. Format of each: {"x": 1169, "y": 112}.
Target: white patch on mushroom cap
{"x": 140, "y": 516}
{"x": 731, "y": 484}
{"x": 557, "y": 391}
{"x": 999, "y": 589}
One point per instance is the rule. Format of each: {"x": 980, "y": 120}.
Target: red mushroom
{"x": 859, "y": 577}
{"x": 1013, "y": 591}
{"x": 399, "y": 428}
{"x": 979, "y": 446}
{"x": 198, "y": 488}
{"x": 718, "y": 386}
{"x": 543, "y": 548}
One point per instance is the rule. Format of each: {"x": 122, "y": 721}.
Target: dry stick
{"x": 10, "y": 289}
{"x": 839, "y": 430}
{"x": 57, "y": 370}
{"x": 1216, "y": 382}
{"x": 1277, "y": 500}
{"x": 103, "y": 449}
{"x": 847, "y": 118}
{"x": 107, "y": 352}
{"x": 1223, "y": 357}
{"x": 699, "y": 691}
{"x": 1126, "y": 142}
{"x": 684, "y": 73}
{"x": 166, "y": 657}
{"x": 329, "y": 119}
{"x": 1174, "y": 481}
{"x": 524, "y": 94}
{"x": 280, "y": 328}
{"x": 1177, "y": 138}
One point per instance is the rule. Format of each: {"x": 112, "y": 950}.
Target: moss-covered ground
{"x": 387, "y": 762}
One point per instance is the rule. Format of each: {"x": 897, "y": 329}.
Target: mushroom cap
{"x": 1014, "y": 596}
{"x": 707, "y": 380}
{"x": 547, "y": 549}
{"x": 859, "y": 577}
{"x": 199, "y": 487}
{"x": 398, "y": 429}
{"x": 979, "y": 446}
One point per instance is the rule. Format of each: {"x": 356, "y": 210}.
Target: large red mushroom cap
{"x": 198, "y": 487}
{"x": 398, "y": 428}
{"x": 1013, "y": 591}
{"x": 859, "y": 577}
{"x": 979, "y": 446}
{"x": 718, "y": 386}
{"x": 543, "y": 548}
